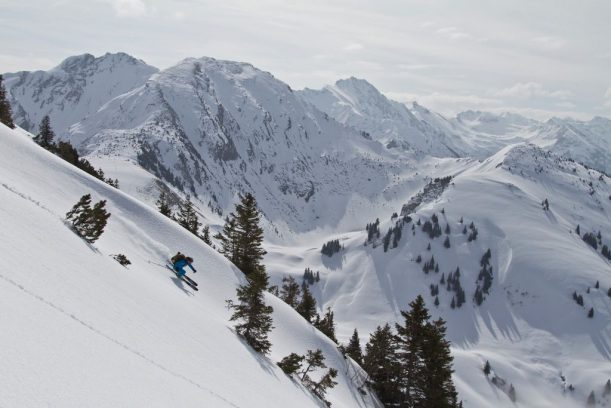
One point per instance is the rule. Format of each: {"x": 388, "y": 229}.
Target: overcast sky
{"x": 536, "y": 57}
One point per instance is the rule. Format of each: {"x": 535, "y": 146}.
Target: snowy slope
{"x": 81, "y": 330}
{"x": 529, "y": 327}
{"x": 76, "y": 88}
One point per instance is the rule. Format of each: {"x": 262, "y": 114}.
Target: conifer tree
{"x": 229, "y": 240}
{"x": 45, "y": 134}
{"x": 291, "y": 363}
{"x": 487, "y": 368}
{"x": 446, "y": 243}
{"x": 327, "y": 324}
{"x": 591, "y": 399}
{"x": 380, "y": 363}
{"x": 206, "y": 235}
{"x": 290, "y": 292}
{"x": 86, "y": 221}
{"x": 242, "y": 236}
{"x": 607, "y": 389}
{"x": 439, "y": 390}
{"x": 591, "y": 313}
{"x": 512, "y": 393}
{"x": 313, "y": 359}
{"x": 187, "y": 217}
{"x": 326, "y": 381}
{"x": 254, "y": 316}
{"x": 354, "y": 348}
{"x": 410, "y": 339}
{"x": 163, "y": 203}
{"x": 6, "y": 115}
{"x": 307, "y": 305}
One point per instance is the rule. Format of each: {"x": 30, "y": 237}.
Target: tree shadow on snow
{"x": 333, "y": 262}
{"x": 263, "y": 361}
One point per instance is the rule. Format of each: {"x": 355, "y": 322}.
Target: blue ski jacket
{"x": 180, "y": 265}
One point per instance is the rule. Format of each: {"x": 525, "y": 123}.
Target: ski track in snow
{"x": 113, "y": 340}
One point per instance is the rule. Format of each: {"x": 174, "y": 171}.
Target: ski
{"x": 192, "y": 284}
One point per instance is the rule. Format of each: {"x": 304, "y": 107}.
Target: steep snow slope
{"x": 528, "y": 327}
{"x": 81, "y": 330}
{"x": 76, "y": 88}
{"x": 215, "y": 128}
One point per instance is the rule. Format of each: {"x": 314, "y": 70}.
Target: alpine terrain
{"x": 370, "y": 210}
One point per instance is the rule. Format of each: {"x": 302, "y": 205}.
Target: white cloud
{"x": 608, "y": 93}
{"x": 525, "y": 90}
{"x": 446, "y": 103}
{"x": 549, "y": 42}
{"x": 566, "y": 105}
{"x": 14, "y": 63}
{"x": 353, "y": 47}
{"x": 453, "y": 33}
{"x": 129, "y": 8}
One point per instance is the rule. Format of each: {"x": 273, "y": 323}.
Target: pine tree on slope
{"x": 307, "y": 305}
{"x": 439, "y": 391}
{"x": 354, "y": 348}
{"x": 45, "y": 134}
{"x": 163, "y": 204}
{"x": 6, "y": 115}
{"x": 206, "y": 235}
{"x": 187, "y": 217}
{"x": 290, "y": 291}
{"x": 327, "y": 324}
{"x": 380, "y": 362}
{"x": 254, "y": 315}
{"x": 242, "y": 236}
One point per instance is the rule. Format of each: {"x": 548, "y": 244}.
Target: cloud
{"x": 14, "y": 63}
{"x": 526, "y": 90}
{"x": 453, "y": 33}
{"x": 353, "y": 47}
{"x": 549, "y": 42}
{"x": 129, "y": 8}
{"x": 446, "y": 103}
{"x": 566, "y": 105}
{"x": 607, "y": 96}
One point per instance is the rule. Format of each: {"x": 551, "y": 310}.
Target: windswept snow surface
{"x": 81, "y": 330}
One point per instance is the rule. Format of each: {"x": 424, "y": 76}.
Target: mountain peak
{"x": 82, "y": 62}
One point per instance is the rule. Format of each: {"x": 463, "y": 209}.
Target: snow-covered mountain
{"x": 74, "y": 89}
{"x": 82, "y": 330}
{"x": 529, "y": 327}
{"x": 356, "y": 103}
{"x": 588, "y": 142}
{"x": 215, "y": 128}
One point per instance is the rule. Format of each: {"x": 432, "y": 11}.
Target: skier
{"x": 179, "y": 261}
